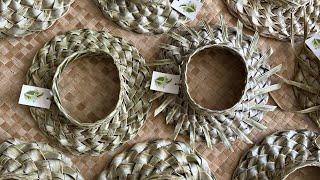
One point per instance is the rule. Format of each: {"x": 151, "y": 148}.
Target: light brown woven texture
{"x": 273, "y": 18}
{"x": 212, "y": 125}
{"x": 278, "y": 155}
{"x": 22, "y": 17}
{"x": 158, "y": 159}
{"x": 142, "y": 16}
{"x": 16, "y": 57}
{"x": 34, "y": 160}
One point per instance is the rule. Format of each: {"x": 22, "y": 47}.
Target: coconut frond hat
{"x": 277, "y": 19}
{"x": 210, "y": 125}
{"x": 142, "y": 16}
{"x": 131, "y": 110}
{"x": 21, "y": 18}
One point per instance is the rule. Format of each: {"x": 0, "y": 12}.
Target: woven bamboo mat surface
{"x": 89, "y": 88}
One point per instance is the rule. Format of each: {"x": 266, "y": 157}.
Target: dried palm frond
{"x": 33, "y": 161}
{"x": 142, "y": 16}
{"x": 20, "y": 18}
{"x": 158, "y": 159}
{"x": 201, "y": 123}
{"x": 279, "y": 155}
{"x": 133, "y": 104}
{"x": 275, "y": 18}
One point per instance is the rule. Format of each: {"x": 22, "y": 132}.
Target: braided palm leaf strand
{"x": 276, "y": 18}
{"x": 34, "y": 161}
{"x": 158, "y": 159}
{"x": 280, "y": 154}
{"x": 22, "y": 17}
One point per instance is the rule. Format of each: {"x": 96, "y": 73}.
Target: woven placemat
{"x": 16, "y": 57}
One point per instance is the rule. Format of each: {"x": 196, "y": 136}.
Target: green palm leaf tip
{"x": 32, "y": 94}
{"x": 316, "y": 43}
{"x": 189, "y": 7}
{"x": 163, "y": 81}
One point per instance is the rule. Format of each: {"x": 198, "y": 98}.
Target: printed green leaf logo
{"x": 32, "y": 95}
{"x": 162, "y": 81}
{"x": 189, "y": 7}
{"x": 316, "y": 43}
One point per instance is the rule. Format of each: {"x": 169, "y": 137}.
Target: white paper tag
{"x": 35, "y": 96}
{"x": 189, "y": 8}
{"x": 314, "y": 44}
{"x": 164, "y": 82}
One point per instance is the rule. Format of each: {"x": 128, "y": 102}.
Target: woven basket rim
{"x": 185, "y": 72}
{"x": 296, "y": 168}
{"x": 56, "y": 95}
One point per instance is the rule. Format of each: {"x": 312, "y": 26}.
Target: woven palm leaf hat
{"x": 279, "y": 155}
{"x": 276, "y": 18}
{"x": 133, "y": 104}
{"x": 201, "y": 123}
{"x": 34, "y": 160}
{"x": 158, "y": 159}
{"x": 142, "y": 16}
{"x": 23, "y": 17}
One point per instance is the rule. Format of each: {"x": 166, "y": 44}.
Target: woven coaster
{"x": 123, "y": 122}
{"x": 142, "y": 16}
{"x": 276, "y": 18}
{"x": 201, "y": 123}
{"x": 279, "y": 155}
{"x": 158, "y": 159}
{"x": 35, "y": 160}
{"x": 20, "y": 18}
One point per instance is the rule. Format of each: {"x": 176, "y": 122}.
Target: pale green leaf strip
{"x": 264, "y": 59}
{"x": 264, "y": 107}
{"x": 269, "y": 73}
{"x": 178, "y": 126}
{"x": 221, "y": 134}
{"x": 303, "y": 86}
{"x": 164, "y": 104}
{"x": 267, "y": 89}
{"x": 239, "y": 34}
{"x": 240, "y": 134}
{"x": 254, "y": 123}
{"x": 253, "y": 45}
{"x": 161, "y": 62}
{"x": 178, "y": 38}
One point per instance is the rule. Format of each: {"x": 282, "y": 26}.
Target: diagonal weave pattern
{"x": 23, "y": 17}
{"x": 35, "y": 160}
{"x": 133, "y": 105}
{"x": 142, "y": 16}
{"x": 158, "y": 159}
{"x": 276, "y": 18}
{"x": 279, "y": 154}
{"x": 201, "y": 123}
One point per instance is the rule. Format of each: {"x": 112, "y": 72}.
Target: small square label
{"x": 163, "y": 82}
{"x": 314, "y": 44}
{"x": 189, "y": 8}
{"x": 35, "y": 96}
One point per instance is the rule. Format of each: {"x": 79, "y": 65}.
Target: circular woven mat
{"x": 32, "y": 161}
{"x": 158, "y": 159}
{"x": 142, "y": 16}
{"x": 201, "y": 123}
{"x": 276, "y": 18}
{"x": 280, "y": 154}
{"x": 133, "y": 105}
{"x": 20, "y": 18}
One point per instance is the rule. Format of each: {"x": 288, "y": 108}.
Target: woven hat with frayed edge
{"x": 142, "y": 16}
{"x": 134, "y": 97}
{"x": 33, "y": 161}
{"x": 158, "y": 159}
{"x": 276, "y": 18}
{"x": 20, "y": 18}
{"x": 279, "y": 155}
{"x": 213, "y": 126}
